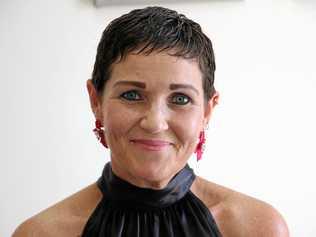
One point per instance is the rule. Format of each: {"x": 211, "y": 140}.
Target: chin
{"x": 148, "y": 169}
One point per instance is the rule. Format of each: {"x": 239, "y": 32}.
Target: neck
{"x": 124, "y": 174}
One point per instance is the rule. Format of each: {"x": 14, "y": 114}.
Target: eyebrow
{"x": 143, "y": 85}
{"x": 133, "y": 83}
{"x": 185, "y": 86}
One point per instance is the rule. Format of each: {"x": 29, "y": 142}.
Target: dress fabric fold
{"x": 126, "y": 210}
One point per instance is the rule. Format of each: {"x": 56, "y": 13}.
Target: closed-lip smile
{"x": 151, "y": 144}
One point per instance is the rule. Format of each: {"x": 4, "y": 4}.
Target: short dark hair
{"x": 154, "y": 29}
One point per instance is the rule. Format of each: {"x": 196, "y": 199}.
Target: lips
{"x": 154, "y": 145}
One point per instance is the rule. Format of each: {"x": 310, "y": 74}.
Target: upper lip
{"x": 152, "y": 142}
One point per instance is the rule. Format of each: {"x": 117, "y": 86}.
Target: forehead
{"x": 157, "y": 68}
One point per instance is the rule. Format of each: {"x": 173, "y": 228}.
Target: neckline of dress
{"x": 124, "y": 193}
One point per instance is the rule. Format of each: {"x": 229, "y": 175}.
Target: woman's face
{"x": 153, "y": 111}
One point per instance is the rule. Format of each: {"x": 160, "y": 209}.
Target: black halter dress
{"x": 129, "y": 211}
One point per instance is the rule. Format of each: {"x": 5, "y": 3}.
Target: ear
{"x": 209, "y": 107}
{"x": 95, "y": 100}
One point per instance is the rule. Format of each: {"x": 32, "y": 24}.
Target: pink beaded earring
{"x": 99, "y": 132}
{"x": 200, "y": 146}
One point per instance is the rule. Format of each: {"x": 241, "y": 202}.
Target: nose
{"x": 155, "y": 119}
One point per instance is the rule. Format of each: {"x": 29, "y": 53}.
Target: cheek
{"x": 118, "y": 121}
{"x": 187, "y": 128}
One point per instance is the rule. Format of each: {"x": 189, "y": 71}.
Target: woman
{"x": 152, "y": 95}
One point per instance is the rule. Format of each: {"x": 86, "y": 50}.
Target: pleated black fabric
{"x": 129, "y": 211}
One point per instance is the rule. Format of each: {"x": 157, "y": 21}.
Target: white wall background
{"x": 262, "y": 138}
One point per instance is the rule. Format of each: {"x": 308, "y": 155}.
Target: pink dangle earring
{"x": 200, "y": 146}
{"x": 99, "y": 132}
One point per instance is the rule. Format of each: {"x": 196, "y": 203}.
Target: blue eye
{"x": 181, "y": 99}
{"x": 130, "y": 95}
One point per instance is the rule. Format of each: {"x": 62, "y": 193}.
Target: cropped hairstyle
{"x": 154, "y": 29}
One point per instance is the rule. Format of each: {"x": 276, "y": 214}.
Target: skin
{"x": 150, "y": 110}
{"x": 154, "y": 107}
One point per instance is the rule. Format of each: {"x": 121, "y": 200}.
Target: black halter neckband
{"x": 129, "y": 211}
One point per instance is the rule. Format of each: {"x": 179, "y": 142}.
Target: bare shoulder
{"x": 237, "y": 214}
{"x": 65, "y": 218}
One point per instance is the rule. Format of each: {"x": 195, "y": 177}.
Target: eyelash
{"x": 187, "y": 98}
{"x": 125, "y": 93}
